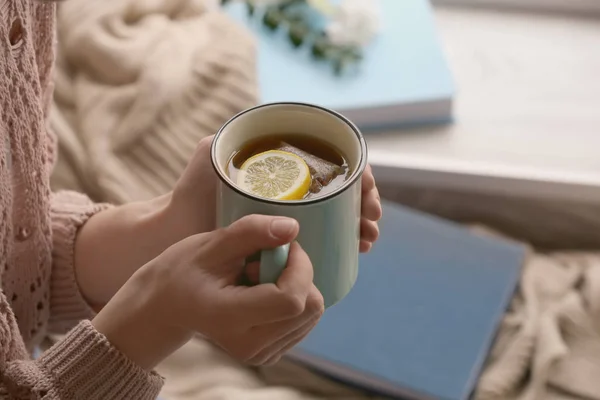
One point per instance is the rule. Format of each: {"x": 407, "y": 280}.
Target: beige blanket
{"x": 139, "y": 82}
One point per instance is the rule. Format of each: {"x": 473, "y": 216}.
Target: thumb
{"x": 253, "y": 233}
{"x": 198, "y": 169}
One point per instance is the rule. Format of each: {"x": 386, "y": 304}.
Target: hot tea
{"x": 288, "y": 167}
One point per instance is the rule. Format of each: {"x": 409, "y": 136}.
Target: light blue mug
{"x": 330, "y": 224}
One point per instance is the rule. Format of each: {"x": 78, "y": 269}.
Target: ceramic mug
{"x": 330, "y": 224}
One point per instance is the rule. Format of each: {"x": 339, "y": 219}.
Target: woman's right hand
{"x": 193, "y": 287}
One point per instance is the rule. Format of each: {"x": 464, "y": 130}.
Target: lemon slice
{"x": 276, "y": 175}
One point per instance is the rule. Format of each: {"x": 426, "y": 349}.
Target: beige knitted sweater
{"x": 37, "y": 234}
{"x": 138, "y": 84}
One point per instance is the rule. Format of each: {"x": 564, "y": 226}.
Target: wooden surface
{"x": 527, "y": 110}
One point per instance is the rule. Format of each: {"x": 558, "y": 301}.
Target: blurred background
{"x": 494, "y": 98}
{"x": 482, "y": 112}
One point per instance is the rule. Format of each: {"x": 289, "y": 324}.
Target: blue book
{"x": 403, "y": 80}
{"x": 423, "y": 314}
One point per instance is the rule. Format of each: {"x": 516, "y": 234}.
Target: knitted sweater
{"x": 37, "y": 234}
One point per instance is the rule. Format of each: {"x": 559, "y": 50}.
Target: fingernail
{"x": 282, "y": 227}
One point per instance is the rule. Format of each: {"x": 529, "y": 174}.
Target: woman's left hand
{"x": 193, "y": 202}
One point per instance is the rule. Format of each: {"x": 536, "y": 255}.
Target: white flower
{"x": 354, "y": 23}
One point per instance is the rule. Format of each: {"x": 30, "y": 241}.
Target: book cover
{"x": 404, "y": 78}
{"x": 424, "y": 312}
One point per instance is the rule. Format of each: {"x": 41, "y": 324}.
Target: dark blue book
{"x": 423, "y": 314}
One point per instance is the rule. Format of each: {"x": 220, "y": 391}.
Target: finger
{"x": 365, "y": 246}
{"x": 371, "y": 205}
{"x": 289, "y": 334}
{"x": 203, "y": 148}
{"x": 253, "y": 272}
{"x": 369, "y": 230}
{"x": 199, "y": 162}
{"x": 297, "y": 338}
{"x": 314, "y": 307}
{"x": 267, "y": 303}
{"x": 273, "y": 354}
{"x": 251, "y": 234}
{"x": 207, "y": 139}
{"x": 297, "y": 278}
{"x": 368, "y": 180}
{"x": 277, "y": 335}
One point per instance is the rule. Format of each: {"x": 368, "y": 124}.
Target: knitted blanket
{"x": 139, "y": 82}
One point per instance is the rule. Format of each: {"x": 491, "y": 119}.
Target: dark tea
{"x": 288, "y": 167}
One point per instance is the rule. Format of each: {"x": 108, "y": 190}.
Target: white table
{"x": 527, "y": 111}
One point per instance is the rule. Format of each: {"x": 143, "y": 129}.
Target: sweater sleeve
{"x": 83, "y": 365}
{"x": 69, "y": 211}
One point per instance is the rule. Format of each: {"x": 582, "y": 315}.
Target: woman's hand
{"x": 114, "y": 243}
{"x": 193, "y": 202}
{"x": 192, "y": 287}
{"x": 371, "y": 211}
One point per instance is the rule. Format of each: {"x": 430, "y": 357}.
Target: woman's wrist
{"x": 131, "y": 323}
{"x": 116, "y": 242}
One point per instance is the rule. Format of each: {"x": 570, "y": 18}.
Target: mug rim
{"x": 362, "y": 163}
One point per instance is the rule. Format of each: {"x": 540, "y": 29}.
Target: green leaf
{"x": 338, "y": 66}
{"x": 356, "y": 53}
{"x": 250, "y": 7}
{"x": 341, "y": 62}
{"x": 298, "y": 33}
{"x": 296, "y": 40}
{"x": 294, "y": 17}
{"x": 320, "y": 47}
{"x": 286, "y": 4}
{"x": 272, "y": 18}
